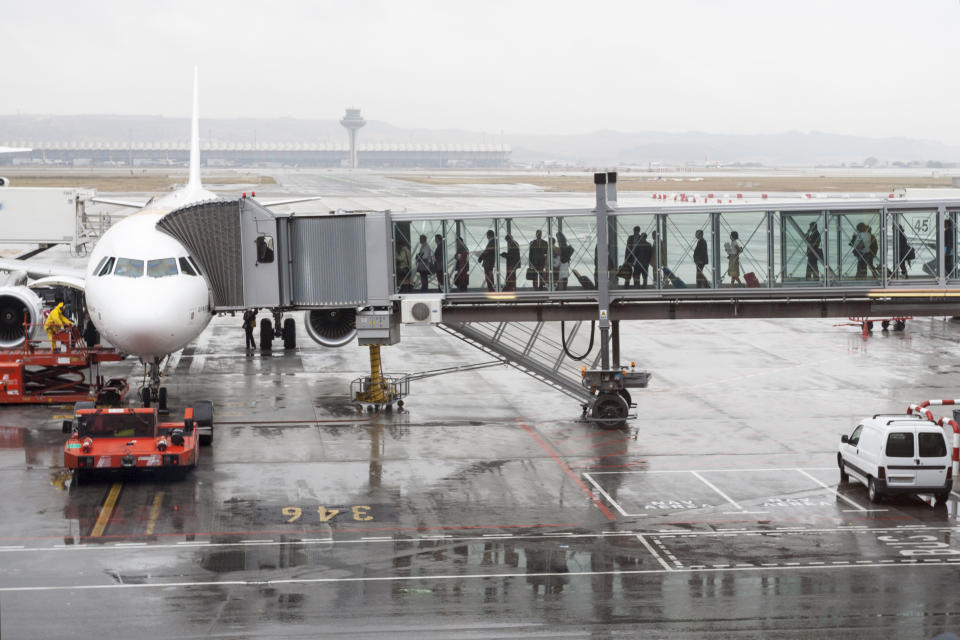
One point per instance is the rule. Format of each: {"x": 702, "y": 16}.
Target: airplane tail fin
{"x": 194, "y": 181}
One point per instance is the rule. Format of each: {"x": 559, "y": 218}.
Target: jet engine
{"x": 17, "y": 301}
{"x": 331, "y": 327}
{"x": 4, "y": 182}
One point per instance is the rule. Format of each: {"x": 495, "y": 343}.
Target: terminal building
{"x": 307, "y": 154}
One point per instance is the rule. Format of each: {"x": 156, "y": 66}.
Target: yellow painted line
{"x": 62, "y": 416}
{"x": 107, "y": 510}
{"x": 154, "y": 512}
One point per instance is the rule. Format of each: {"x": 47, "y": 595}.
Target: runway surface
{"x": 487, "y": 509}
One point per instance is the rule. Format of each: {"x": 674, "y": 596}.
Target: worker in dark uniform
{"x": 249, "y": 322}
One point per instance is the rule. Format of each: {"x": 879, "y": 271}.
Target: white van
{"x": 897, "y": 454}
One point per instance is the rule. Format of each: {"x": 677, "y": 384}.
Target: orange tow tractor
{"x": 108, "y": 439}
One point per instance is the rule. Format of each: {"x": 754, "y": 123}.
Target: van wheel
{"x": 942, "y": 497}
{"x": 844, "y": 476}
{"x": 873, "y": 491}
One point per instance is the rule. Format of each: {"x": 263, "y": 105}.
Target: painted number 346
{"x": 361, "y": 513}
{"x": 919, "y": 545}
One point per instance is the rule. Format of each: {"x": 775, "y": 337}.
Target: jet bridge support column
{"x": 611, "y": 402}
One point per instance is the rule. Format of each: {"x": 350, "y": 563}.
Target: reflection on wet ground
{"x": 486, "y": 509}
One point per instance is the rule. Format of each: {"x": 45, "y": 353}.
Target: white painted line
{"x": 816, "y": 563}
{"x": 770, "y": 564}
{"x": 377, "y": 538}
{"x": 190, "y": 543}
{"x": 608, "y": 473}
{"x": 317, "y": 540}
{"x": 721, "y": 493}
{"x": 864, "y": 562}
{"x": 840, "y": 562}
{"x": 885, "y": 561}
{"x": 268, "y": 541}
{"x": 792, "y": 564}
{"x": 663, "y": 563}
{"x": 832, "y": 490}
{"x": 609, "y": 499}
{"x": 259, "y": 584}
{"x": 130, "y": 544}
{"x": 727, "y": 513}
{"x": 11, "y": 547}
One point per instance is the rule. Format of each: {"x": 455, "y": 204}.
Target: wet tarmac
{"x": 486, "y": 510}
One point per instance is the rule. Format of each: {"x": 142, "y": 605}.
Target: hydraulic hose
{"x": 563, "y": 341}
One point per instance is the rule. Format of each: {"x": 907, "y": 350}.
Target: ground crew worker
{"x": 249, "y": 322}
{"x": 54, "y": 323}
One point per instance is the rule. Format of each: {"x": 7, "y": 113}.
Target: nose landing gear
{"x": 152, "y": 391}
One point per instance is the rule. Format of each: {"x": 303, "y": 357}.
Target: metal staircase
{"x": 533, "y": 348}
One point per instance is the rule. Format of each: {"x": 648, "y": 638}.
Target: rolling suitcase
{"x": 751, "y": 279}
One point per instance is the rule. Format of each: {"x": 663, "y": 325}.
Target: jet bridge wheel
{"x": 610, "y": 411}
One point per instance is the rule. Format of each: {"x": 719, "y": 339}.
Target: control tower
{"x": 352, "y": 122}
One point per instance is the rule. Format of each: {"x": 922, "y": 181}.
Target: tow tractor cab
{"x": 131, "y": 438}
{"x": 897, "y": 454}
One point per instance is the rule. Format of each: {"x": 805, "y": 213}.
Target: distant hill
{"x": 601, "y": 147}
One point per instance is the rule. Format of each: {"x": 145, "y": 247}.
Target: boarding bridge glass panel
{"x": 637, "y": 255}
{"x": 800, "y": 250}
{"x": 572, "y": 253}
{"x": 483, "y": 256}
{"x": 950, "y": 231}
{"x": 744, "y": 246}
{"x": 525, "y": 255}
{"x": 853, "y": 253}
{"x": 911, "y": 247}
{"x": 425, "y": 273}
{"x": 687, "y": 251}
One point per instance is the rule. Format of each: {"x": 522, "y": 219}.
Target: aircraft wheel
{"x": 266, "y": 335}
{"x": 162, "y": 399}
{"x": 145, "y": 396}
{"x": 289, "y": 333}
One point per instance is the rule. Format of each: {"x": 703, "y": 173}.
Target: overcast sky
{"x": 865, "y": 67}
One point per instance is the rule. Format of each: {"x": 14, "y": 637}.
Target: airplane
{"x": 144, "y": 293}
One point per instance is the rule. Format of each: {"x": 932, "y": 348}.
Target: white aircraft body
{"x": 144, "y": 293}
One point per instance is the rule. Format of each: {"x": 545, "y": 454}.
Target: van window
{"x": 855, "y": 436}
{"x": 931, "y": 445}
{"x": 900, "y": 445}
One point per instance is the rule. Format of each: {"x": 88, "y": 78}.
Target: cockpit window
{"x": 129, "y": 268}
{"x": 106, "y": 268}
{"x": 186, "y": 268}
{"x": 196, "y": 267}
{"x": 162, "y": 267}
{"x": 96, "y": 269}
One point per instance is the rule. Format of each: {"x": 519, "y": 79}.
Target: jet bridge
{"x": 328, "y": 265}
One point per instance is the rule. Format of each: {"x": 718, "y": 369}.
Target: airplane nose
{"x": 147, "y": 327}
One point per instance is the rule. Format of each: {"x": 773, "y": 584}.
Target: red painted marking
{"x": 569, "y": 472}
